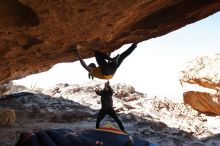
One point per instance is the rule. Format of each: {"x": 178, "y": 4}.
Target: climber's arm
{"x": 82, "y": 61}
{"x": 98, "y": 92}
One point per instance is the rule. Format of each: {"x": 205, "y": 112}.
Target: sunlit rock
{"x": 201, "y": 82}
{"x": 203, "y": 102}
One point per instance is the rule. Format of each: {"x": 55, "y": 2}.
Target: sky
{"x": 154, "y": 66}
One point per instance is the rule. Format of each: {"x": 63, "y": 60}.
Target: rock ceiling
{"x": 35, "y": 35}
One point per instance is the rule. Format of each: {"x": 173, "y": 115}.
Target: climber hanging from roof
{"x": 106, "y": 69}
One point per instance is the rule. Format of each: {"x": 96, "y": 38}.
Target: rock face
{"x": 36, "y": 35}
{"x": 7, "y": 117}
{"x": 204, "y": 102}
{"x": 205, "y": 72}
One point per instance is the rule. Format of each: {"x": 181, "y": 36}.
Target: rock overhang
{"x": 35, "y": 35}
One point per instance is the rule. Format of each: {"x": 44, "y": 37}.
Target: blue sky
{"x": 153, "y": 68}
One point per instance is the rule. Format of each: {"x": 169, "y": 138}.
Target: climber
{"x": 107, "y": 106}
{"x": 106, "y": 69}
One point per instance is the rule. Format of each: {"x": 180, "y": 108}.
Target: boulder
{"x": 203, "y": 102}
{"x": 201, "y": 82}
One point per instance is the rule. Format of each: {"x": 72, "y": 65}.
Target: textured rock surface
{"x": 204, "y": 72}
{"x": 35, "y": 35}
{"x": 204, "y": 102}
{"x": 5, "y": 87}
{"x": 7, "y": 117}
